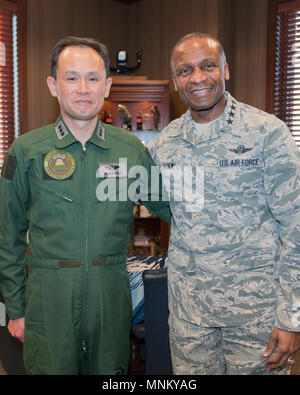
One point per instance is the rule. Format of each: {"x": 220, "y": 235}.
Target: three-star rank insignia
{"x": 59, "y": 165}
{"x": 231, "y": 113}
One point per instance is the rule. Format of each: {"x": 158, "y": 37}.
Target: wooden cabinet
{"x": 150, "y": 100}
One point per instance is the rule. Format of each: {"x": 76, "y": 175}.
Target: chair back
{"x": 158, "y": 360}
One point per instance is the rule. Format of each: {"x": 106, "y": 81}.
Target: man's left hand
{"x": 288, "y": 343}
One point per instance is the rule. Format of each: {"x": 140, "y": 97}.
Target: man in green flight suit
{"x": 73, "y": 307}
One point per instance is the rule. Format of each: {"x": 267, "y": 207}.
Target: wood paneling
{"x": 158, "y": 25}
{"x": 243, "y": 32}
{"x": 48, "y": 22}
{"x": 226, "y": 35}
{"x": 239, "y": 25}
{"x": 154, "y": 26}
{"x": 251, "y": 52}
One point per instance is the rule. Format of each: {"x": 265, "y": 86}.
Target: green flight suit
{"x": 76, "y": 297}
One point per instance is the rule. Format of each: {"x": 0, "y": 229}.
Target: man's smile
{"x": 201, "y": 91}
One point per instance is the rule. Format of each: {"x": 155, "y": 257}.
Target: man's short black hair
{"x": 72, "y": 41}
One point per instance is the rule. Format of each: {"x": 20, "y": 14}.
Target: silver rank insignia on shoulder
{"x": 240, "y": 149}
{"x": 61, "y": 130}
{"x": 101, "y": 131}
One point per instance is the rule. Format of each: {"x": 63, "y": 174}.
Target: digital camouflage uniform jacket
{"x": 235, "y": 259}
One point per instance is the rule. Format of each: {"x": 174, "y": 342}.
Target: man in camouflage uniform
{"x": 234, "y": 257}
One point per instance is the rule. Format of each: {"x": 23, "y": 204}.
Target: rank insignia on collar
{"x": 231, "y": 115}
{"x": 59, "y": 165}
{"x": 240, "y": 149}
{"x": 61, "y": 130}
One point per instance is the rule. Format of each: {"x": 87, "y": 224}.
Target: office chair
{"x": 157, "y": 350}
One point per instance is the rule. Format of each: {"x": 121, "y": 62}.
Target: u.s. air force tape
{"x": 59, "y": 165}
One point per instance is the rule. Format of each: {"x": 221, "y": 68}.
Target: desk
{"x": 136, "y": 264}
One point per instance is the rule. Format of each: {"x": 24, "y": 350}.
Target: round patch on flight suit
{"x": 59, "y": 165}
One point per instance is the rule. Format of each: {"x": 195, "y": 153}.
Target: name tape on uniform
{"x": 112, "y": 170}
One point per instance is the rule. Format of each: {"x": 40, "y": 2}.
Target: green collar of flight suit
{"x": 64, "y": 137}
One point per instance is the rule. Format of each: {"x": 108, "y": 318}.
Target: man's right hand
{"x": 17, "y": 328}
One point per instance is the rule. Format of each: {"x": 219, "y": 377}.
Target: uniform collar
{"x": 63, "y": 136}
{"x": 226, "y": 123}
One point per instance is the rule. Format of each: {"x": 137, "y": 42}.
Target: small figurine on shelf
{"x": 108, "y": 118}
{"x": 139, "y": 121}
{"x": 136, "y": 210}
{"x": 156, "y": 117}
{"x": 125, "y": 116}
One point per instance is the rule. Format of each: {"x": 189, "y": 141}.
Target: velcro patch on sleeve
{"x": 9, "y": 167}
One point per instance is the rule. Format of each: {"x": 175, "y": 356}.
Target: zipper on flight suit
{"x": 83, "y": 155}
{"x": 83, "y": 151}
{"x": 84, "y": 349}
{"x": 84, "y": 203}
